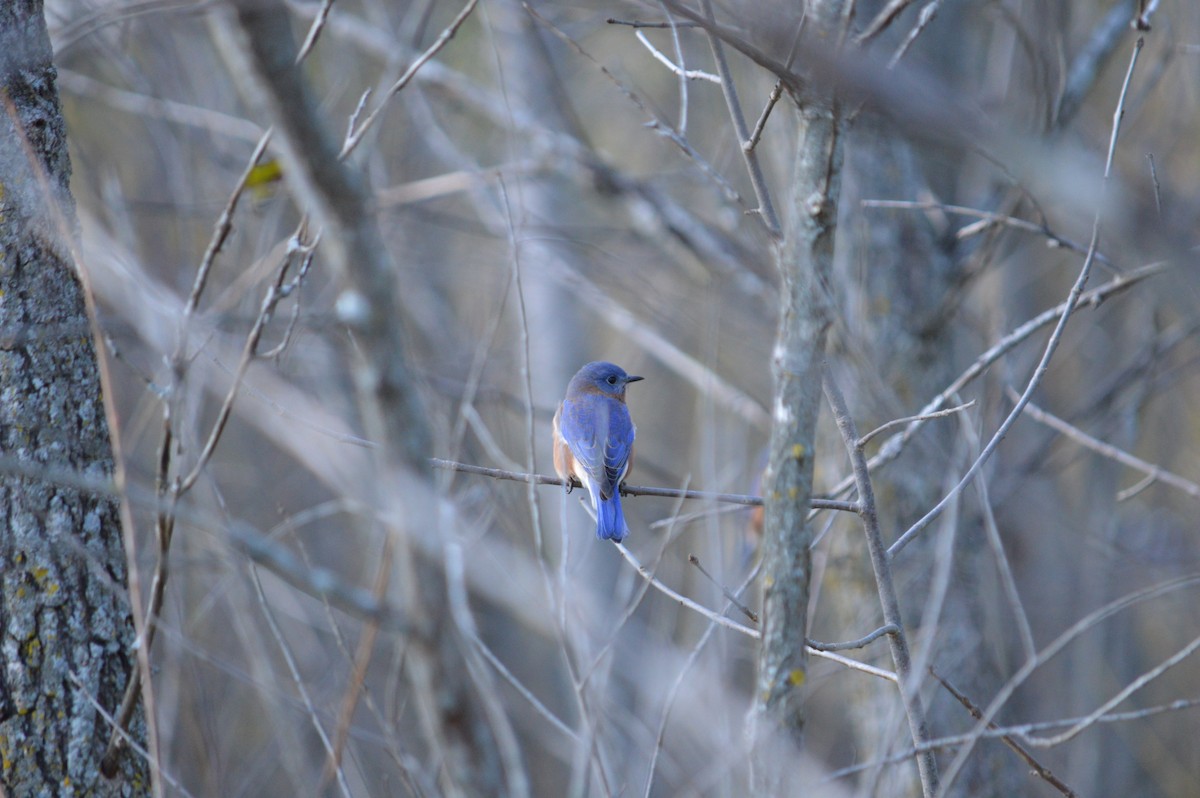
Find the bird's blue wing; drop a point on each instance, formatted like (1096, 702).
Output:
(600, 434)
(617, 448)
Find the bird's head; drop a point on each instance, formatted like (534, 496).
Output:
(607, 378)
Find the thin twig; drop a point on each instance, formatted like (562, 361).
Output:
(129, 740)
(270, 299)
(634, 23)
(1092, 57)
(353, 139)
(881, 21)
(655, 124)
(683, 77)
(1153, 472)
(894, 445)
(358, 672)
(633, 490)
(1073, 301)
(678, 71)
(721, 620)
(1081, 626)
(726, 592)
(314, 30)
(1157, 186)
(996, 732)
(988, 218)
(1129, 689)
(1007, 580)
(756, 134)
(1038, 768)
(861, 642)
(712, 615)
(853, 664)
(923, 19)
(168, 495)
(678, 683)
(864, 440)
(221, 230)
(298, 682)
(538, 707)
(766, 208)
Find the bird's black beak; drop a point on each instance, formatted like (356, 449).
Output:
(633, 379)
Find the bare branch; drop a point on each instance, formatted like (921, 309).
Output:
(987, 219)
(907, 680)
(994, 732)
(756, 134)
(314, 30)
(354, 138)
(726, 592)
(633, 23)
(766, 208)
(1089, 621)
(1055, 337)
(678, 71)
(882, 20)
(1153, 472)
(712, 615)
(1093, 56)
(923, 19)
(864, 440)
(634, 490)
(894, 445)
(302, 688)
(861, 642)
(1129, 689)
(1040, 770)
(1007, 580)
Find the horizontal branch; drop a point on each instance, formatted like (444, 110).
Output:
(862, 642)
(998, 732)
(634, 490)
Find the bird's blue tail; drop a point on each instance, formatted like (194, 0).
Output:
(610, 521)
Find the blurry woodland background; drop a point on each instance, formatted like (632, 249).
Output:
(549, 192)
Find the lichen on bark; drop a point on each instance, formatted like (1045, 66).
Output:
(67, 633)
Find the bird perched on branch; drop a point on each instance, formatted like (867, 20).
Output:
(593, 441)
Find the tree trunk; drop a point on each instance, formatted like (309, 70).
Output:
(804, 258)
(68, 633)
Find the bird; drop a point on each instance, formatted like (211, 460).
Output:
(593, 441)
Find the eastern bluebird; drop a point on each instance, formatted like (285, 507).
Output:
(593, 441)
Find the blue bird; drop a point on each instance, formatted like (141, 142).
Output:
(593, 441)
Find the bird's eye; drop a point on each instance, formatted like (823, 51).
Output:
(612, 379)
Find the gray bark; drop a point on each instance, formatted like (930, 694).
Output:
(67, 630)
